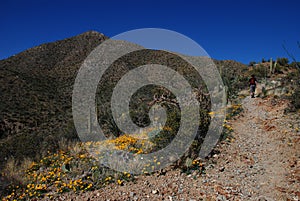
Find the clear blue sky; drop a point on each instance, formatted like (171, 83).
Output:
(234, 29)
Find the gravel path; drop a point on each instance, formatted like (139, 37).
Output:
(257, 163)
(261, 163)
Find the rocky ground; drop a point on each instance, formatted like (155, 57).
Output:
(262, 162)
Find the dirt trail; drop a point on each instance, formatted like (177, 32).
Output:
(261, 163)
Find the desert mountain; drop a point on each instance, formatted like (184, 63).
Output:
(36, 117)
(36, 90)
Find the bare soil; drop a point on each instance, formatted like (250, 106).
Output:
(262, 162)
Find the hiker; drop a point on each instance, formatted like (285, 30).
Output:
(252, 83)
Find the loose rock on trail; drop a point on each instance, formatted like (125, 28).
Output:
(261, 163)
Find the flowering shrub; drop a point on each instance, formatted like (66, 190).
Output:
(132, 144)
(233, 111)
(74, 169)
(63, 172)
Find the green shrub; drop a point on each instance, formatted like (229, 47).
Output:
(295, 64)
(259, 71)
(295, 100)
(283, 61)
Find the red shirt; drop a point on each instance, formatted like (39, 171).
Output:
(252, 81)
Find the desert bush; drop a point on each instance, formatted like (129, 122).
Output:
(296, 99)
(59, 172)
(279, 69)
(283, 61)
(259, 71)
(292, 82)
(294, 64)
(252, 63)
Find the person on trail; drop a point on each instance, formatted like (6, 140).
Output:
(252, 83)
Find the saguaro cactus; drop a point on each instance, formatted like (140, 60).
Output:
(272, 66)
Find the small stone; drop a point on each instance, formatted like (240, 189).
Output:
(154, 191)
(262, 199)
(221, 198)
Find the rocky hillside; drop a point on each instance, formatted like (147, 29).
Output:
(35, 88)
(36, 113)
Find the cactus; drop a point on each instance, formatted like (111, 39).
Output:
(271, 66)
(274, 66)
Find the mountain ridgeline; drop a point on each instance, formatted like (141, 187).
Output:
(36, 92)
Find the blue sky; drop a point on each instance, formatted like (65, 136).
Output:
(234, 29)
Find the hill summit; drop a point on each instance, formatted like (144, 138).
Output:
(35, 88)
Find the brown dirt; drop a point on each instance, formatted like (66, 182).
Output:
(261, 163)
